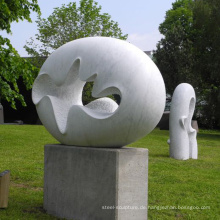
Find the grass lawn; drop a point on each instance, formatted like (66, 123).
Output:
(177, 189)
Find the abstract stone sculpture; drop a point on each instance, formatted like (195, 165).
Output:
(116, 67)
(183, 143)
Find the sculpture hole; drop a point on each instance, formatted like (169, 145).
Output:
(87, 94)
(191, 108)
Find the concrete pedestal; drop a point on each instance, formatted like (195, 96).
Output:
(83, 183)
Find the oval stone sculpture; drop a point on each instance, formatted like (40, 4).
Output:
(183, 143)
(116, 67)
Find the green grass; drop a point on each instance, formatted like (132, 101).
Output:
(177, 186)
(22, 152)
(173, 184)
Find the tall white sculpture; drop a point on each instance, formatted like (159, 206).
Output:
(116, 67)
(183, 143)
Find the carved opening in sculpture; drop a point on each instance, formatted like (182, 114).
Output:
(87, 94)
(191, 131)
(101, 106)
(191, 111)
(67, 93)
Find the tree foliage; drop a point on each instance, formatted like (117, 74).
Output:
(12, 66)
(174, 55)
(68, 23)
(15, 10)
(189, 52)
(207, 57)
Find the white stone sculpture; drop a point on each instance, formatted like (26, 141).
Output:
(183, 143)
(116, 67)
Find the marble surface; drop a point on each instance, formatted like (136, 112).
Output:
(116, 67)
(183, 143)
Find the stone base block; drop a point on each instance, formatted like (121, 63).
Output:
(83, 183)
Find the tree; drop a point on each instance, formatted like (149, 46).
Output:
(12, 66)
(189, 52)
(68, 23)
(174, 52)
(207, 57)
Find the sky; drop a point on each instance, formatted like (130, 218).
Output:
(139, 19)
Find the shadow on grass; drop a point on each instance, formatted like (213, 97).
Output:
(34, 210)
(209, 136)
(160, 155)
